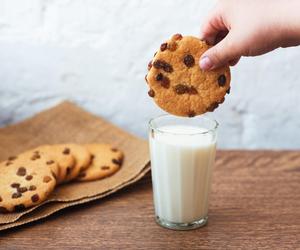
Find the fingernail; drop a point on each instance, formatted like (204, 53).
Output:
(206, 63)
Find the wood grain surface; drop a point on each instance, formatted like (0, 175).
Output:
(255, 204)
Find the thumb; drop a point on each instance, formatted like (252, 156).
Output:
(220, 54)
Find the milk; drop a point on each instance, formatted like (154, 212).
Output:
(182, 158)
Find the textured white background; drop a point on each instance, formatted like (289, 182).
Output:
(95, 52)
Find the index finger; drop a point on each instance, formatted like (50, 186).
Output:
(212, 26)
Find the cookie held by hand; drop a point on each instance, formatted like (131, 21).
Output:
(177, 83)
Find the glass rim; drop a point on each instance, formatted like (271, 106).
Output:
(203, 116)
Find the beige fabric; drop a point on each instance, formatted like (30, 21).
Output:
(67, 123)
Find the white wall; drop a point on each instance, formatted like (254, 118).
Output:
(95, 52)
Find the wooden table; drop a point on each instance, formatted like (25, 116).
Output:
(255, 204)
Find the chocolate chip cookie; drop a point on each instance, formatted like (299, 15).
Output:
(177, 83)
(106, 160)
(82, 159)
(25, 182)
(62, 155)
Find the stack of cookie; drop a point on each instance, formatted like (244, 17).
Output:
(28, 179)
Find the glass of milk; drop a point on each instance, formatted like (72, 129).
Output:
(182, 157)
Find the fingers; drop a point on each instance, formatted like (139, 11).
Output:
(215, 32)
(234, 61)
(212, 26)
(221, 54)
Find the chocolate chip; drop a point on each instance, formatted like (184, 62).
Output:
(49, 162)
(181, 89)
(28, 177)
(21, 171)
(191, 114)
(15, 185)
(161, 64)
(114, 150)
(189, 61)
(158, 64)
(177, 37)
(151, 93)
(16, 195)
(35, 198)
(149, 65)
(168, 68)
(8, 163)
(212, 107)
(172, 46)
(155, 54)
(11, 158)
(222, 80)
(3, 210)
(146, 78)
(47, 179)
(22, 189)
(165, 83)
(228, 91)
(35, 157)
(66, 151)
(32, 188)
(93, 157)
(159, 77)
(105, 167)
(163, 47)
(19, 208)
(1, 199)
(193, 90)
(117, 161)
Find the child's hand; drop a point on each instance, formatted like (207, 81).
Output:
(249, 28)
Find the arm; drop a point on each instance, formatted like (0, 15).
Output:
(249, 28)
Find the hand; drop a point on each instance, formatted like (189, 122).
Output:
(248, 28)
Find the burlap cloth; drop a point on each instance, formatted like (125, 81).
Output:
(69, 123)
